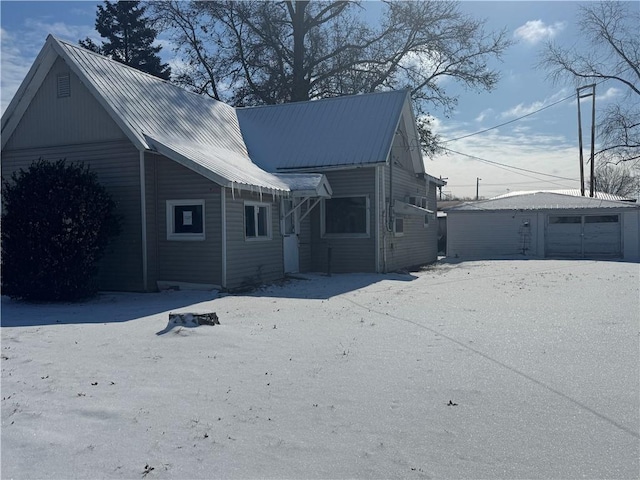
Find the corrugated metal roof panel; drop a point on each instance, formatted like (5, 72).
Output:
(332, 132)
(540, 201)
(573, 191)
(201, 130)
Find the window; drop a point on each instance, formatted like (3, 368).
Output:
(346, 216)
(426, 220)
(398, 226)
(601, 219)
(185, 219)
(567, 219)
(257, 224)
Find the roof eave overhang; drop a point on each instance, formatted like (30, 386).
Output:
(403, 208)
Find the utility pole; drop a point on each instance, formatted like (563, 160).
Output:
(440, 186)
(477, 187)
(593, 133)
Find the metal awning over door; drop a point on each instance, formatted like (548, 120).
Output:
(580, 236)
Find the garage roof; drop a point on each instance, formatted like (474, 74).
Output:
(541, 201)
(571, 191)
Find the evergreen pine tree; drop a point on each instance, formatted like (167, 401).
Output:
(128, 38)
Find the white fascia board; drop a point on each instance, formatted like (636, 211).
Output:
(403, 208)
(27, 90)
(416, 154)
(395, 128)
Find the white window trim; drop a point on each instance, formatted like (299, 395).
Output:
(190, 237)
(269, 235)
(323, 225)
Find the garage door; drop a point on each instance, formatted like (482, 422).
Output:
(583, 236)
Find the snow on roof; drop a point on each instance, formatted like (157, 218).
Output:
(540, 201)
(572, 191)
(332, 132)
(233, 147)
(201, 133)
(306, 184)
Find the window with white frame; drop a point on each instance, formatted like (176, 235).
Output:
(185, 220)
(257, 221)
(346, 216)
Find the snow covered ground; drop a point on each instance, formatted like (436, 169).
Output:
(488, 369)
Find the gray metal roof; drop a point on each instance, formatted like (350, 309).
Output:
(233, 147)
(540, 201)
(199, 132)
(571, 191)
(332, 132)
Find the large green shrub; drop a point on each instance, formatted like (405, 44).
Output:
(56, 223)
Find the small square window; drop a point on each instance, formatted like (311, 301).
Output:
(398, 226)
(185, 220)
(257, 223)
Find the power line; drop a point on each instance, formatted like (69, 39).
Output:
(508, 166)
(516, 119)
(516, 170)
(502, 184)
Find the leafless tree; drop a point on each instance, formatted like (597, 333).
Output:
(267, 52)
(618, 180)
(608, 50)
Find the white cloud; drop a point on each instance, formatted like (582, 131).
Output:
(522, 109)
(535, 31)
(484, 114)
(610, 94)
(64, 31)
(525, 109)
(21, 46)
(519, 146)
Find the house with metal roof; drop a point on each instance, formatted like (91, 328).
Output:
(216, 196)
(543, 224)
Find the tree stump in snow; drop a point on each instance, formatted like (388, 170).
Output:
(194, 319)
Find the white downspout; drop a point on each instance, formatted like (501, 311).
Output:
(378, 214)
(384, 230)
(143, 212)
(223, 215)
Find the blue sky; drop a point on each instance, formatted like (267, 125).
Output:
(544, 143)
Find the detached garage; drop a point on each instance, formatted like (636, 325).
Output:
(544, 225)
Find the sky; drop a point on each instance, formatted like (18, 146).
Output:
(539, 151)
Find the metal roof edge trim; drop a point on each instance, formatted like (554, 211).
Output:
(136, 138)
(27, 90)
(328, 168)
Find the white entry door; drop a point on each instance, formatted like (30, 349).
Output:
(290, 228)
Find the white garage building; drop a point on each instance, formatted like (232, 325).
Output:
(544, 225)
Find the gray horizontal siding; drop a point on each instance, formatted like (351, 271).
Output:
(347, 254)
(51, 121)
(117, 167)
(631, 235)
(419, 244)
(198, 261)
(252, 262)
(491, 234)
